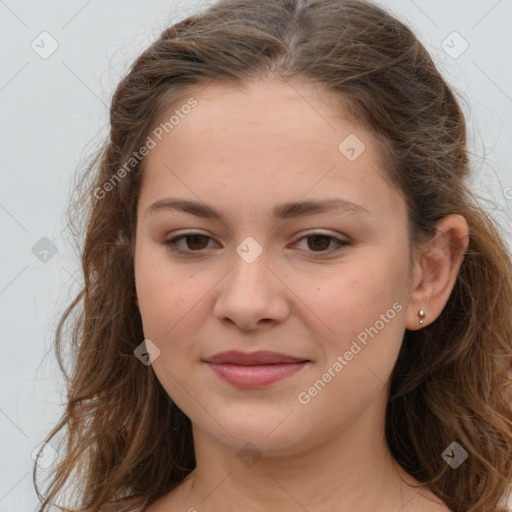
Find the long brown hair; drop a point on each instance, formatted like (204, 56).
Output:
(127, 443)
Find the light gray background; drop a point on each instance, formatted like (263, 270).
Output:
(53, 112)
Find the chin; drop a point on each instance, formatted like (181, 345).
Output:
(264, 430)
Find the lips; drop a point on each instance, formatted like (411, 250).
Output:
(261, 357)
(256, 369)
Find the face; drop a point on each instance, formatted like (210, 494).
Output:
(245, 270)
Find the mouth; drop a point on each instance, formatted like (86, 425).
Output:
(256, 369)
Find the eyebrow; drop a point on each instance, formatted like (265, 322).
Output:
(282, 211)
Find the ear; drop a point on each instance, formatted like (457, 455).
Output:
(435, 270)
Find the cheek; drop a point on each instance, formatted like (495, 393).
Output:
(363, 306)
(352, 298)
(170, 304)
(365, 310)
(167, 297)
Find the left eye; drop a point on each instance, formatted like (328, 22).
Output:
(196, 238)
(319, 242)
(197, 242)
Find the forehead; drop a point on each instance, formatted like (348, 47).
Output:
(267, 142)
(263, 108)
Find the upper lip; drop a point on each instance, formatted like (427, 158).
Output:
(253, 358)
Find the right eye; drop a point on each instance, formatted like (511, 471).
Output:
(194, 243)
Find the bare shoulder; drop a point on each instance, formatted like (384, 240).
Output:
(173, 502)
(161, 505)
(418, 497)
(425, 506)
(170, 502)
(426, 503)
(436, 507)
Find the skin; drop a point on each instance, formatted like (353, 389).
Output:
(242, 151)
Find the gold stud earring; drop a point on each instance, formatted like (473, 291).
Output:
(421, 316)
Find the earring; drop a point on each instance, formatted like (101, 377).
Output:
(421, 315)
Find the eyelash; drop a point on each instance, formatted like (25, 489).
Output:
(342, 244)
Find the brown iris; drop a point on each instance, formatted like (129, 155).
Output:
(318, 241)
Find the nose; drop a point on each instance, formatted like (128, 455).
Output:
(252, 295)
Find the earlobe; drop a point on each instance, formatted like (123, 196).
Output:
(438, 266)
(418, 322)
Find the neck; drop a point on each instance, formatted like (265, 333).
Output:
(352, 471)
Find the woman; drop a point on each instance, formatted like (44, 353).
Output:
(292, 301)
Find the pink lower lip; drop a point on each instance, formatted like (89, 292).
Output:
(255, 376)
